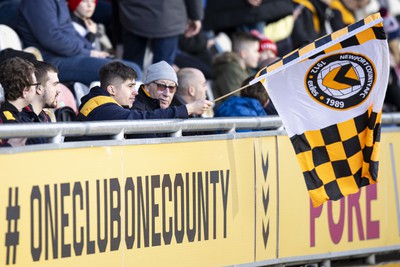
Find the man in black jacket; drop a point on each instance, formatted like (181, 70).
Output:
(158, 88)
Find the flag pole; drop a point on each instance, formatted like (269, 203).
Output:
(231, 93)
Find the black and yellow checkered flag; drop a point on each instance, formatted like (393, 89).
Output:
(329, 96)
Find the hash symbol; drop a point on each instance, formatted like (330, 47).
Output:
(12, 235)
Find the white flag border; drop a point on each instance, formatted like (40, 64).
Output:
(317, 50)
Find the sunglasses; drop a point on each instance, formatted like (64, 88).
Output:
(162, 87)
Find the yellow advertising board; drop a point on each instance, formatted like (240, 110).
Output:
(178, 204)
(200, 203)
(204, 194)
(266, 195)
(364, 220)
(389, 188)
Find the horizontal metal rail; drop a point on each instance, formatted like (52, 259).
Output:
(391, 118)
(117, 129)
(175, 127)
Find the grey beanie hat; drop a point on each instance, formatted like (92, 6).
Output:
(160, 71)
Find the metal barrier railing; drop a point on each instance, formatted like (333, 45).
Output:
(117, 129)
(174, 127)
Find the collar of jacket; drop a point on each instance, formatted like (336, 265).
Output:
(95, 102)
(144, 98)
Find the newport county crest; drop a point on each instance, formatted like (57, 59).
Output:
(341, 81)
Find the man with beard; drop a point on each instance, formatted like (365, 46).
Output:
(46, 96)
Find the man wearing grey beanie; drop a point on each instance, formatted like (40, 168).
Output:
(158, 88)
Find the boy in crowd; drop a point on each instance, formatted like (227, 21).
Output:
(81, 13)
(231, 68)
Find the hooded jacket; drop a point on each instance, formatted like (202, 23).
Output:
(228, 74)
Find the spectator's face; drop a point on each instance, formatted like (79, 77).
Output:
(251, 55)
(51, 90)
(85, 9)
(163, 90)
(125, 93)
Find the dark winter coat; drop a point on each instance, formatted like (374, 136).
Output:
(28, 115)
(145, 103)
(224, 14)
(158, 19)
(228, 74)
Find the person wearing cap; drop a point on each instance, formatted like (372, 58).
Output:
(114, 97)
(267, 48)
(158, 88)
(81, 14)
